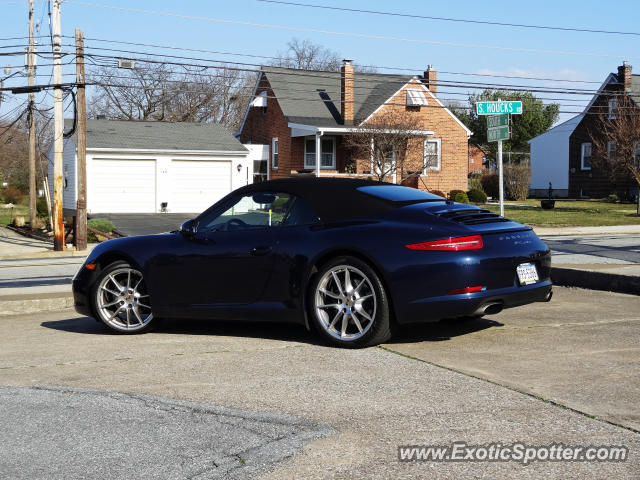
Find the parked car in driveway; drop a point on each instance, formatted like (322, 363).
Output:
(349, 258)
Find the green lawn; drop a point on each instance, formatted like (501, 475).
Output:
(7, 214)
(570, 213)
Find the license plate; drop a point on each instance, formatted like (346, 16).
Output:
(527, 273)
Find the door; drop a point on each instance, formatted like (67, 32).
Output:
(122, 186)
(198, 184)
(229, 260)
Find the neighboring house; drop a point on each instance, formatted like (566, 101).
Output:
(300, 115)
(563, 154)
(136, 166)
(550, 160)
(477, 159)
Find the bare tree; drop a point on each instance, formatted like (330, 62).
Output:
(306, 55)
(615, 143)
(154, 91)
(392, 142)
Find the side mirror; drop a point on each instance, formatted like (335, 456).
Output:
(188, 228)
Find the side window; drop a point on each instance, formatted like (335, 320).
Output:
(300, 213)
(251, 211)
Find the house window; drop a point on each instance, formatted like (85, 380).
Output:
(432, 154)
(416, 97)
(613, 105)
(274, 153)
(327, 153)
(636, 154)
(611, 151)
(585, 156)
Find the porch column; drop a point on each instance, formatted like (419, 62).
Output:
(318, 150)
(371, 156)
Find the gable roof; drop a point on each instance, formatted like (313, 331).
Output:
(564, 129)
(312, 97)
(142, 135)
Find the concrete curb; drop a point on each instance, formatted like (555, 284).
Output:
(610, 282)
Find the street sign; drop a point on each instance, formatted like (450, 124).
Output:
(498, 133)
(494, 121)
(496, 108)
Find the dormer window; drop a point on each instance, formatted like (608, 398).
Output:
(416, 98)
(613, 105)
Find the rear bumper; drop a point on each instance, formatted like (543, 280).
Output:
(435, 308)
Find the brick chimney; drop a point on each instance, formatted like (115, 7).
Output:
(624, 75)
(430, 79)
(346, 92)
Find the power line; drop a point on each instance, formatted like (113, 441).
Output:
(329, 76)
(344, 34)
(449, 19)
(381, 67)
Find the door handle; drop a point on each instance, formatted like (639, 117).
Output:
(261, 250)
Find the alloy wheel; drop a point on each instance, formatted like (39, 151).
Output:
(122, 300)
(345, 303)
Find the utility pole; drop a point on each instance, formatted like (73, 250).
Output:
(58, 129)
(32, 124)
(80, 236)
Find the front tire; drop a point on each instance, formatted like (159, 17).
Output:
(349, 305)
(120, 299)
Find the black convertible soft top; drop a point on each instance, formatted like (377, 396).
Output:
(333, 199)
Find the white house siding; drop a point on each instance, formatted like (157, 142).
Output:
(550, 159)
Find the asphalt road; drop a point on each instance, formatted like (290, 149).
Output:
(148, 223)
(576, 249)
(41, 274)
(565, 371)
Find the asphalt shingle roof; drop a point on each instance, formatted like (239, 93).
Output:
(313, 97)
(140, 135)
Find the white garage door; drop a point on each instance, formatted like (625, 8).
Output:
(122, 186)
(198, 184)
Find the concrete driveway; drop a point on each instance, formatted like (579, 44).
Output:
(579, 351)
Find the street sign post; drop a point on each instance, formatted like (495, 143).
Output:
(497, 134)
(496, 108)
(498, 130)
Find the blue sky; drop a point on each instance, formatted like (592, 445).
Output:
(594, 55)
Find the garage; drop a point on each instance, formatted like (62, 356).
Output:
(197, 184)
(122, 186)
(153, 167)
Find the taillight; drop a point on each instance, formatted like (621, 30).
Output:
(473, 242)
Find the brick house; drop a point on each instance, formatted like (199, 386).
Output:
(477, 159)
(585, 179)
(562, 155)
(302, 115)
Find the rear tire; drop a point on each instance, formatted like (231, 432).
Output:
(348, 304)
(119, 299)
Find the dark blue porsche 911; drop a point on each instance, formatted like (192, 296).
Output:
(351, 258)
